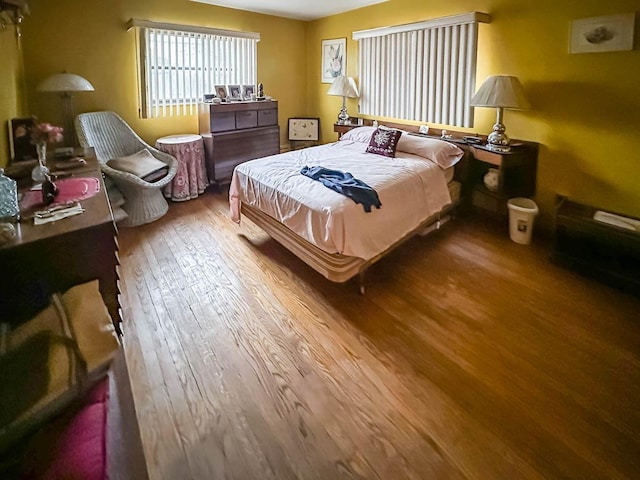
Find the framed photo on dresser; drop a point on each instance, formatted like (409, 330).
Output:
(221, 91)
(235, 92)
(20, 145)
(248, 91)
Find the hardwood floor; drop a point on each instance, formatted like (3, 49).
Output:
(469, 357)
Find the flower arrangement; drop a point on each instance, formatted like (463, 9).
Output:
(46, 133)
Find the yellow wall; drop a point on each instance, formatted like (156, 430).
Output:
(89, 38)
(585, 111)
(586, 107)
(11, 92)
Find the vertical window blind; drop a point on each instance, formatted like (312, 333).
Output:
(422, 71)
(179, 64)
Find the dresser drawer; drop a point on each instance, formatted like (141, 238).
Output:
(267, 117)
(223, 151)
(223, 121)
(247, 119)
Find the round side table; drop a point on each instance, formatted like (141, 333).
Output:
(191, 177)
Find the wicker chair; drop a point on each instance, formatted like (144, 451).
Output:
(111, 137)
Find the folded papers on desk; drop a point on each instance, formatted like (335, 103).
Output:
(58, 214)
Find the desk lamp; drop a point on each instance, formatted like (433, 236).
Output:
(66, 84)
(500, 92)
(343, 87)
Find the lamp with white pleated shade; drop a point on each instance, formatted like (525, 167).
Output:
(343, 87)
(500, 92)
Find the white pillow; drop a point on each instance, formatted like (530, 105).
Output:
(141, 164)
(359, 134)
(443, 153)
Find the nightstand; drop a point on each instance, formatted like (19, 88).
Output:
(517, 171)
(341, 129)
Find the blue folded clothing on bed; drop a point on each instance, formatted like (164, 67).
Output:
(344, 183)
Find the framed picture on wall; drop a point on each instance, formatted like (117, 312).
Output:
(334, 59)
(602, 34)
(304, 129)
(20, 145)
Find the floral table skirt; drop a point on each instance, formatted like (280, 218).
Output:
(191, 177)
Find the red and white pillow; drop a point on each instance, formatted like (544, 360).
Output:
(384, 141)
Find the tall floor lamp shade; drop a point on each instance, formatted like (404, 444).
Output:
(66, 84)
(500, 92)
(343, 87)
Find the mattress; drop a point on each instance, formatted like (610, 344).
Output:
(411, 190)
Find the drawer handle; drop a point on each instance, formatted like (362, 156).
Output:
(246, 114)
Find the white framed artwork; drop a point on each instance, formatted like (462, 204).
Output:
(334, 59)
(602, 34)
(304, 129)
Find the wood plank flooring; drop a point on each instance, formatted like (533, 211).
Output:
(469, 357)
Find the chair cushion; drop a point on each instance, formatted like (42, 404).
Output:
(141, 164)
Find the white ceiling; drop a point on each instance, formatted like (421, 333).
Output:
(298, 9)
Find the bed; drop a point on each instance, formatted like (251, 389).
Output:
(418, 187)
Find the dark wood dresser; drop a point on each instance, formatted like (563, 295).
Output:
(235, 132)
(609, 252)
(53, 257)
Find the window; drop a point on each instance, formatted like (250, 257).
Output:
(178, 65)
(421, 71)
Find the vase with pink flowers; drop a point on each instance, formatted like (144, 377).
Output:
(41, 135)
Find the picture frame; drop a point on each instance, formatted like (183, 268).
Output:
(221, 91)
(247, 91)
(304, 129)
(20, 146)
(609, 33)
(235, 92)
(334, 59)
